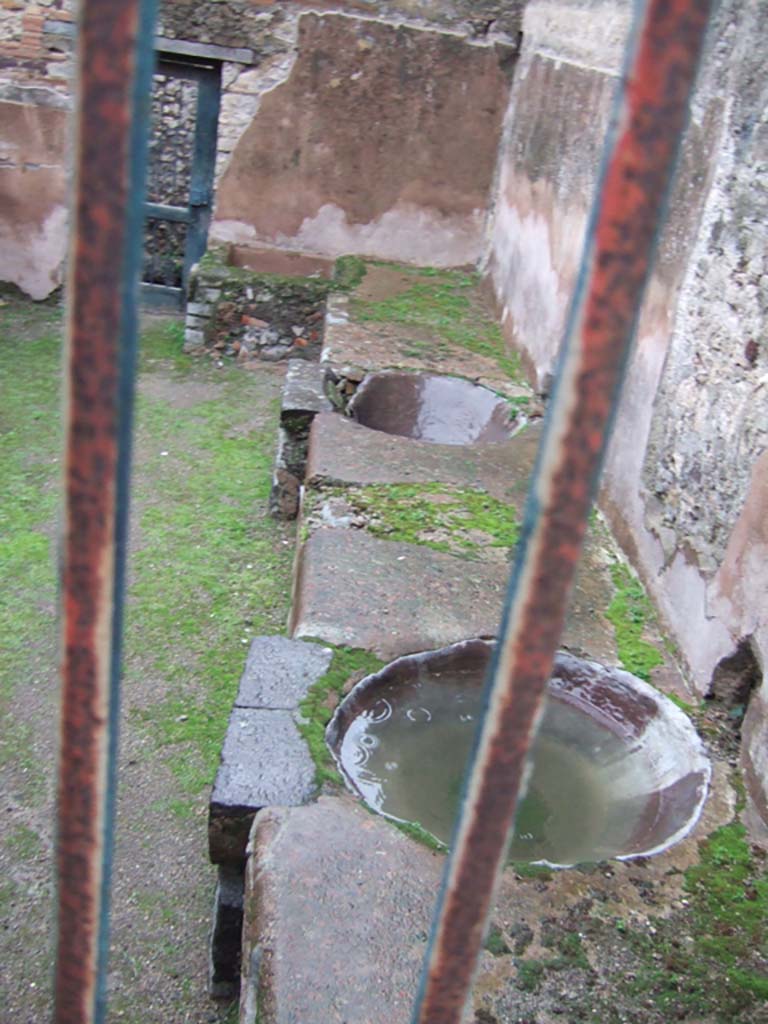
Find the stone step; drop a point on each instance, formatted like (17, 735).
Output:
(264, 761)
(338, 908)
(389, 597)
(344, 452)
(352, 347)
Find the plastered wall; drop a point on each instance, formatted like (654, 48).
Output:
(685, 477)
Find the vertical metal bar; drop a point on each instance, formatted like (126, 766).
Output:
(649, 120)
(114, 65)
(203, 167)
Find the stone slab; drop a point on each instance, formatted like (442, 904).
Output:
(337, 912)
(344, 452)
(392, 598)
(375, 346)
(303, 392)
(279, 261)
(264, 762)
(279, 672)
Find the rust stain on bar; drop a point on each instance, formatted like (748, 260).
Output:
(107, 45)
(617, 259)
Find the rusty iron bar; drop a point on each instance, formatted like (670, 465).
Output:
(114, 71)
(649, 118)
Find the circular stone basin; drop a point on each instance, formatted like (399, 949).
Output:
(426, 407)
(618, 769)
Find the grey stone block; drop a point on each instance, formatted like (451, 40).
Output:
(279, 672)
(303, 393)
(390, 597)
(193, 339)
(291, 452)
(199, 308)
(264, 762)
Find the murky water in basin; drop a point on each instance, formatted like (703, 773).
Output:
(406, 754)
(429, 407)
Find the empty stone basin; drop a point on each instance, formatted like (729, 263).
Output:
(618, 769)
(279, 261)
(427, 407)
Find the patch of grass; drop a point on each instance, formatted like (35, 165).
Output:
(628, 612)
(571, 952)
(530, 974)
(446, 303)
(211, 571)
(16, 749)
(8, 891)
(411, 512)
(30, 468)
(317, 707)
(162, 340)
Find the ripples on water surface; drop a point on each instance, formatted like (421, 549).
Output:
(406, 755)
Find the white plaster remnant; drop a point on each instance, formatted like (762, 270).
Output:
(34, 262)
(591, 36)
(524, 274)
(35, 95)
(406, 232)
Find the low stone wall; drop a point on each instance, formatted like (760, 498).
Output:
(257, 316)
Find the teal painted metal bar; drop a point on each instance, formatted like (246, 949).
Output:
(180, 214)
(203, 165)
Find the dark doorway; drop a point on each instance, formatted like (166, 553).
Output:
(182, 159)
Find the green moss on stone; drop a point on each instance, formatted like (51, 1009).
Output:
(318, 706)
(628, 612)
(214, 270)
(431, 514)
(348, 272)
(415, 831)
(535, 872)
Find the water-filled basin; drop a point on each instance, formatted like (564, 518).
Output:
(428, 407)
(617, 769)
